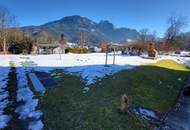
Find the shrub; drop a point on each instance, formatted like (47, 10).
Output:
(78, 50)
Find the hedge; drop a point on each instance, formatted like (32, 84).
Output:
(77, 50)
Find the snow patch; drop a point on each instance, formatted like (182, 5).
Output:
(91, 73)
(4, 119)
(36, 125)
(179, 79)
(85, 89)
(27, 109)
(24, 94)
(4, 102)
(4, 95)
(147, 113)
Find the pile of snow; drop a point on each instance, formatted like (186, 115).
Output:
(4, 102)
(26, 97)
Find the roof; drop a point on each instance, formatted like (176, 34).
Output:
(48, 45)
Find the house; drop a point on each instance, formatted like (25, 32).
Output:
(55, 48)
(47, 48)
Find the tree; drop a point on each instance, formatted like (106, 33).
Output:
(7, 20)
(175, 26)
(19, 41)
(146, 36)
(153, 36)
(45, 37)
(143, 35)
(83, 38)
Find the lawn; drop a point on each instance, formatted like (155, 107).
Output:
(154, 86)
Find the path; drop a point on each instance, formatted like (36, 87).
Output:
(179, 119)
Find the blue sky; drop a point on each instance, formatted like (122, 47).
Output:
(137, 14)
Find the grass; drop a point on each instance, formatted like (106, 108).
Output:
(154, 86)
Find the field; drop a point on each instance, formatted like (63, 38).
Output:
(155, 86)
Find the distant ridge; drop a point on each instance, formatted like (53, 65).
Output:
(71, 26)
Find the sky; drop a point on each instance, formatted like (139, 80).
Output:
(135, 14)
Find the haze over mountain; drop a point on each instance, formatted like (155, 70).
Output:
(71, 26)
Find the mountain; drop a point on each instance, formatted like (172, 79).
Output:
(71, 27)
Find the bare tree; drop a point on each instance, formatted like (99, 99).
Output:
(83, 38)
(143, 35)
(175, 26)
(45, 37)
(146, 36)
(7, 20)
(153, 36)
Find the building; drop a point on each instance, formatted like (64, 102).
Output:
(47, 48)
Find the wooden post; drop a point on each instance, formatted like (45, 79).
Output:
(114, 56)
(4, 45)
(60, 55)
(106, 63)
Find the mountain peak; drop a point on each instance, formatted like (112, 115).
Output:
(76, 19)
(72, 25)
(106, 24)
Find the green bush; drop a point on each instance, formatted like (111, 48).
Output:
(78, 50)
(24, 52)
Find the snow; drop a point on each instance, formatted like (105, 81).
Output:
(184, 53)
(4, 95)
(35, 114)
(36, 125)
(85, 89)
(27, 109)
(24, 94)
(179, 79)
(37, 84)
(89, 66)
(3, 104)
(4, 119)
(71, 44)
(91, 73)
(148, 113)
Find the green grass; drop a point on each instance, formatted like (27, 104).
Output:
(66, 108)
